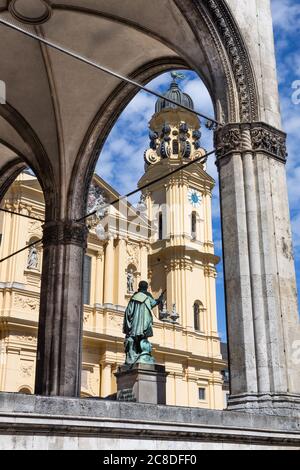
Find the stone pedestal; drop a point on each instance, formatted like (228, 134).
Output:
(143, 383)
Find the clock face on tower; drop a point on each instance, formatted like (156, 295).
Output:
(194, 197)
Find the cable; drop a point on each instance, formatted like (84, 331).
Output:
(160, 178)
(22, 249)
(22, 215)
(212, 123)
(186, 165)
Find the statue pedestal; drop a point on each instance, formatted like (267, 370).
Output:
(143, 383)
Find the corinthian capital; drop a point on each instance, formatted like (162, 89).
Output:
(65, 232)
(251, 137)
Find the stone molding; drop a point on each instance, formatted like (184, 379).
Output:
(65, 232)
(239, 59)
(28, 417)
(251, 137)
(273, 404)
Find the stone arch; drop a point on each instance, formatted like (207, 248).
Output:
(251, 171)
(237, 101)
(103, 123)
(34, 156)
(233, 54)
(9, 173)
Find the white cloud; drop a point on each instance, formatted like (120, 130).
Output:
(286, 14)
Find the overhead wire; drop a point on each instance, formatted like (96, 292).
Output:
(104, 69)
(202, 158)
(211, 122)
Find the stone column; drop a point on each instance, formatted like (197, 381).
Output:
(60, 321)
(109, 272)
(263, 323)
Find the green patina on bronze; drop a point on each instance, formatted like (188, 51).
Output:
(137, 326)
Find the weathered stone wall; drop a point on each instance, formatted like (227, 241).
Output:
(28, 422)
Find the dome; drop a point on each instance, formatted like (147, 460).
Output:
(176, 94)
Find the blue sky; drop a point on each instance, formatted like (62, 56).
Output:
(286, 18)
(121, 162)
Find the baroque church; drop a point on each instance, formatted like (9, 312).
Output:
(165, 239)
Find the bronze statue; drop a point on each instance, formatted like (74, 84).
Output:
(137, 326)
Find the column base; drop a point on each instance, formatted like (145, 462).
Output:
(275, 404)
(142, 383)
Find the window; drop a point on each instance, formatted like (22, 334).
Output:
(197, 316)
(87, 279)
(194, 226)
(175, 147)
(25, 391)
(202, 394)
(160, 226)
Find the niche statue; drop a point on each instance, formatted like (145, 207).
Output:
(137, 326)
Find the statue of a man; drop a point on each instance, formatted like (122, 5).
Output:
(33, 260)
(130, 282)
(137, 326)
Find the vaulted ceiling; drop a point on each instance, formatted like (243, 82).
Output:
(59, 98)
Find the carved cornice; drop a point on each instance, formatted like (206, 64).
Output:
(65, 232)
(255, 137)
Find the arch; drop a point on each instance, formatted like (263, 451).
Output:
(228, 76)
(226, 34)
(9, 173)
(103, 123)
(39, 162)
(237, 101)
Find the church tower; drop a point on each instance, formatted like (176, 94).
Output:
(182, 258)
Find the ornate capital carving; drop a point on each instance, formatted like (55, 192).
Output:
(254, 137)
(65, 232)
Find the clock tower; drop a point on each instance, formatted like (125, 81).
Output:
(182, 258)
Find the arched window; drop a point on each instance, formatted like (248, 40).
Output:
(198, 320)
(25, 391)
(194, 226)
(197, 316)
(160, 226)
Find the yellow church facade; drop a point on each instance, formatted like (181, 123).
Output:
(166, 240)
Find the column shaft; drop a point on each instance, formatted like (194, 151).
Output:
(60, 322)
(262, 311)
